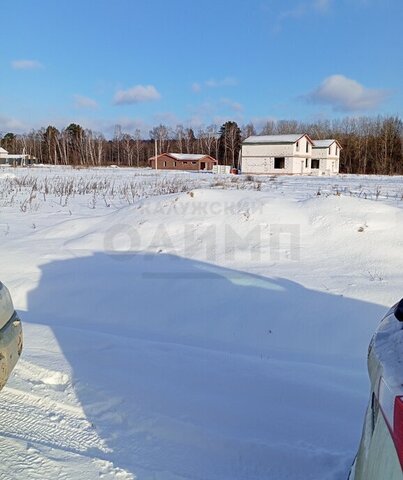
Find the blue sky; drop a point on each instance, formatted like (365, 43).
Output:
(139, 63)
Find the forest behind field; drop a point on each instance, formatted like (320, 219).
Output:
(370, 145)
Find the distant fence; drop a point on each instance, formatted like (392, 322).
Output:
(221, 169)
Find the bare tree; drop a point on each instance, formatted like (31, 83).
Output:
(206, 138)
(161, 134)
(179, 137)
(230, 139)
(247, 131)
(138, 146)
(128, 149)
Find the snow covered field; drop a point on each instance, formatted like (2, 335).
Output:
(190, 326)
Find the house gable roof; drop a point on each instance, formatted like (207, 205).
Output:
(2, 150)
(275, 139)
(187, 156)
(184, 157)
(325, 143)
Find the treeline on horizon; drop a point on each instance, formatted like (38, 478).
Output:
(371, 145)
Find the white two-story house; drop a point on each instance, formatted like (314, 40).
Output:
(291, 154)
(280, 154)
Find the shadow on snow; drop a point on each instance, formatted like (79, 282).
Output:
(189, 370)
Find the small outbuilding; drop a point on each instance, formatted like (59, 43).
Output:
(19, 159)
(183, 161)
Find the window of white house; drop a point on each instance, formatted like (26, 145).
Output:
(279, 162)
(297, 146)
(337, 150)
(307, 163)
(307, 146)
(330, 148)
(315, 163)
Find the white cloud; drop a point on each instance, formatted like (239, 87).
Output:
(295, 12)
(107, 127)
(322, 5)
(215, 83)
(102, 125)
(209, 109)
(26, 64)
(302, 9)
(8, 124)
(346, 94)
(84, 102)
(220, 119)
(235, 106)
(136, 94)
(224, 82)
(217, 111)
(166, 118)
(195, 122)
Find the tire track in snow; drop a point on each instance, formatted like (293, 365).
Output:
(35, 419)
(42, 437)
(22, 460)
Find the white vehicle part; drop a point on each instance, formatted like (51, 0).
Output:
(6, 306)
(10, 348)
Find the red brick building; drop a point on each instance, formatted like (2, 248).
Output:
(183, 161)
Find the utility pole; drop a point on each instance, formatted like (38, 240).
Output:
(156, 154)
